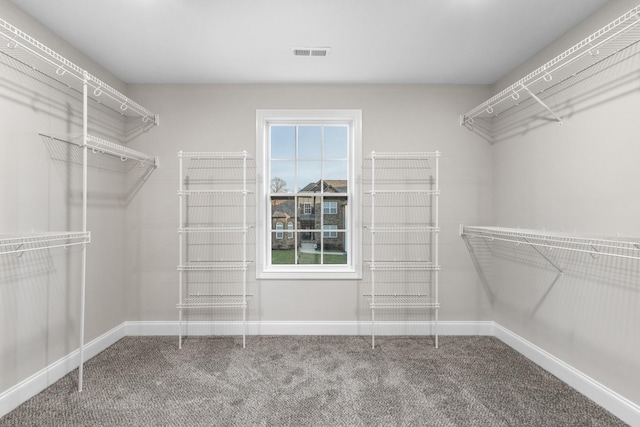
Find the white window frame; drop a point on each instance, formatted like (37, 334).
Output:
(353, 226)
(279, 230)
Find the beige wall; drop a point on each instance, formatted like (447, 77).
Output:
(222, 118)
(580, 176)
(40, 190)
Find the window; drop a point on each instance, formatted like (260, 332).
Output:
(330, 234)
(330, 208)
(309, 161)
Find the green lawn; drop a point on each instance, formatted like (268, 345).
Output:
(287, 257)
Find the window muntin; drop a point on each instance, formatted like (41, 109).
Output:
(308, 168)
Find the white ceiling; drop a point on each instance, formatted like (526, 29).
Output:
(250, 41)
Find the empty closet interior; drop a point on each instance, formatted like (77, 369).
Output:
(506, 209)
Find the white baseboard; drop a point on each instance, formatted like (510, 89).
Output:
(626, 410)
(26, 389)
(618, 405)
(309, 328)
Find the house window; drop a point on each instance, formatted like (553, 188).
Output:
(330, 234)
(279, 233)
(309, 161)
(330, 208)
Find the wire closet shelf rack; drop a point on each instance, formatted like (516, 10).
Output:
(206, 180)
(596, 246)
(561, 71)
(402, 197)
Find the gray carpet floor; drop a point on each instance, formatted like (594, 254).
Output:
(310, 381)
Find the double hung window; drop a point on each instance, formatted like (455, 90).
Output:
(308, 162)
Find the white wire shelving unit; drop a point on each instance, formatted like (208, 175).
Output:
(403, 233)
(39, 62)
(595, 246)
(569, 67)
(213, 231)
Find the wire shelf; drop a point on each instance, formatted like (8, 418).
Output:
(214, 265)
(19, 243)
(200, 155)
(215, 229)
(35, 54)
(400, 301)
(98, 145)
(208, 301)
(564, 68)
(404, 155)
(628, 248)
(402, 228)
(403, 265)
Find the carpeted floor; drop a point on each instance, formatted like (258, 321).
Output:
(310, 381)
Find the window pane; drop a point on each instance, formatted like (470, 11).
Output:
(283, 176)
(309, 174)
(336, 171)
(335, 142)
(283, 142)
(308, 218)
(282, 210)
(310, 142)
(334, 249)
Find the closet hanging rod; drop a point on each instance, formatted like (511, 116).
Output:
(63, 66)
(596, 246)
(589, 46)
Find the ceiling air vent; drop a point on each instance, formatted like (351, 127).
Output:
(311, 51)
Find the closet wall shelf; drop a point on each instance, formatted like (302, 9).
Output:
(403, 265)
(20, 243)
(400, 301)
(561, 70)
(409, 155)
(102, 146)
(402, 228)
(214, 265)
(30, 52)
(214, 155)
(404, 192)
(595, 246)
(211, 192)
(221, 301)
(215, 229)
